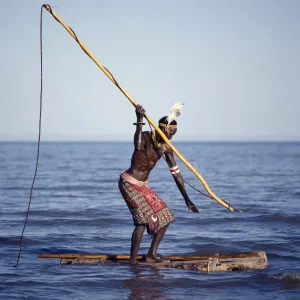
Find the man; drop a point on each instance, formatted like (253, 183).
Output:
(148, 210)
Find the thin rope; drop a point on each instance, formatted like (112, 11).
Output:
(39, 137)
(204, 194)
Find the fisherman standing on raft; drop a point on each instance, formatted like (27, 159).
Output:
(147, 209)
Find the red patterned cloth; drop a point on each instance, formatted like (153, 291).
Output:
(145, 205)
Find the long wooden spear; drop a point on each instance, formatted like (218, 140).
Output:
(166, 140)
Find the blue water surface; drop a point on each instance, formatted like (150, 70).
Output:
(76, 207)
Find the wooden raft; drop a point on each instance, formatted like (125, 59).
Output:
(233, 262)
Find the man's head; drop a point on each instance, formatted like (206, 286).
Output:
(168, 129)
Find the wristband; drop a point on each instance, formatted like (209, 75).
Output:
(174, 170)
(137, 123)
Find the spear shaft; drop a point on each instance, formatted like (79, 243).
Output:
(111, 77)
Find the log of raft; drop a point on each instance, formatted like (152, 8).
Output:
(232, 262)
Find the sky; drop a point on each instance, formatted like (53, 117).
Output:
(235, 64)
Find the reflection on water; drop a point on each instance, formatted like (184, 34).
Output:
(145, 284)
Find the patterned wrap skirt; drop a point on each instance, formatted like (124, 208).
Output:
(145, 206)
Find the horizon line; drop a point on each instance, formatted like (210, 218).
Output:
(130, 141)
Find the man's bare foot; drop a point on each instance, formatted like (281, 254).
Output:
(132, 262)
(154, 259)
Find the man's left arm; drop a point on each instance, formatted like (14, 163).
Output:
(174, 169)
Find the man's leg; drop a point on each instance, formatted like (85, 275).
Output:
(151, 256)
(135, 243)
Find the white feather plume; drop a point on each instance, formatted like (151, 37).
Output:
(175, 112)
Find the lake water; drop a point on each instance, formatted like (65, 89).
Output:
(76, 207)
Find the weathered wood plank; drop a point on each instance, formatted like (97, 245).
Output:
(140, 257)
(233, 262)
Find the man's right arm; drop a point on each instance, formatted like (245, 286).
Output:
(138, 136)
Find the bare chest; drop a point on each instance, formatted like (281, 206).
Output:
(153, 155)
